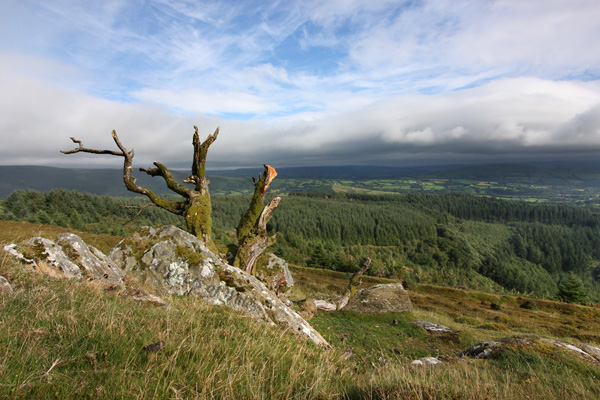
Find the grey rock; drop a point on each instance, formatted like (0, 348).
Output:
(178, 262)
(5, 287)
(380, 298)
(591, 350)
(492, 348)
(433, 328)
(68, 257)
(92, 262)
(427, 361)
(171, 260)
(12, 249)
(588, 352)
(324, 305)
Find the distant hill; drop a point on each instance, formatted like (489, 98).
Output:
(319, 179)
(96, 181)
(107, 182)
(352, 172)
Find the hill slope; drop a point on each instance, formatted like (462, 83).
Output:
(66, 339)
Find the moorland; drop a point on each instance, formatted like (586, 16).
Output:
(487, 267)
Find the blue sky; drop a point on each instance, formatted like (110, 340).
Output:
(301, 82)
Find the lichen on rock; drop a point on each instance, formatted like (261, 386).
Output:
(274, 272)
(178, 262)
(379, 299)
(170, 260)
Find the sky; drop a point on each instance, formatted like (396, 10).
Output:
(298, 83)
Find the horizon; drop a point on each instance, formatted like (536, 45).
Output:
(292, 84)
(572, 164)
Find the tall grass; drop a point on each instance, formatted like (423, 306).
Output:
(69, 339)
(75, 340)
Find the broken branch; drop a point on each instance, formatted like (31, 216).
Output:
(353, 284)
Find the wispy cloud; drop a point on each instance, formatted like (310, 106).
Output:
(301, 82)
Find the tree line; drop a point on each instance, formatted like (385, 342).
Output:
(446, 239)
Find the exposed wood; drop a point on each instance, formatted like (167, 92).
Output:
(282, 281)
(355, 282)
(195, 206)
(252, 229)
(255, 209)
(324, 305)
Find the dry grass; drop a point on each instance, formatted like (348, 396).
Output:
(65, 339)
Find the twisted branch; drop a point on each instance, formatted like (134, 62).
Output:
(130, 181)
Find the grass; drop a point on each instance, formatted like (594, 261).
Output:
(67, 339)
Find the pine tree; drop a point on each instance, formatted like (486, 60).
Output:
(571, 290)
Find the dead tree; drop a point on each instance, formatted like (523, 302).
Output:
(252, 230)
(195, 206)
(355, 282)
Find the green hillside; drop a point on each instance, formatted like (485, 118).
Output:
(451, 240)
(74, 339)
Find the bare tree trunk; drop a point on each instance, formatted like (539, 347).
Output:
(195, 206)
(252, 229)
(354, 283)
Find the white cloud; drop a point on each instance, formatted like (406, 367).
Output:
(500, 76)
(208, 102)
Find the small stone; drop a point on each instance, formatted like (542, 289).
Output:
(433, 328)
(154, 347)
(5, 287)
(427, 361)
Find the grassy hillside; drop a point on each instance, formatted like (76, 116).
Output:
(64, 339)
(452, 240)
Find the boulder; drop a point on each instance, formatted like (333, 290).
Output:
(380, 298)
(177, 262)
(69, 257)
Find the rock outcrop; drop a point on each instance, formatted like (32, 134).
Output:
(433, 328)
(380, 298)
(69, 257)
(179, 263)
(169, 259)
